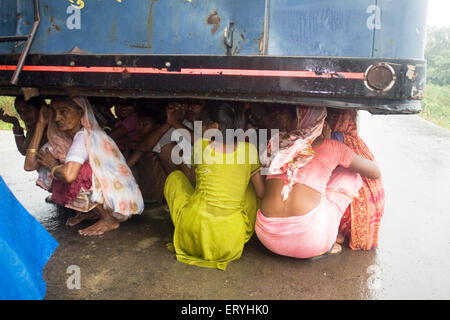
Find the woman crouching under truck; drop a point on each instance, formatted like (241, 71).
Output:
(91, 176)
(311, 180)
(214, 220)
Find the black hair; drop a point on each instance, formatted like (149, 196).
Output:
(224, 114)
(153, 108)
(286, 108)
(35, 101)
(147, 113)
(125, 102)
(193, 101)
(292, 110)
(100, 101)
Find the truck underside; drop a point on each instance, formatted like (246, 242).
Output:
(381, 86)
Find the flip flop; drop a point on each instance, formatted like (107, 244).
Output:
(48, 199)
(326, 254)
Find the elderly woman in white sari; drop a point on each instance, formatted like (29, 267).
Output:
(85, 169)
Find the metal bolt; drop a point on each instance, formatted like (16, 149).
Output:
(119, 63)
(72, 63)
(168, 64)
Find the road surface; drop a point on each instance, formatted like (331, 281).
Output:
(132, 262)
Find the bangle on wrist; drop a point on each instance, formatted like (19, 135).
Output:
(31, 150)
(54, 169)
(19, 134)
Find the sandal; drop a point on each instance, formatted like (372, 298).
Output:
(48, 199)
(334, 250)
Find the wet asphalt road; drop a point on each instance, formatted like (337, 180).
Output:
(132, 262)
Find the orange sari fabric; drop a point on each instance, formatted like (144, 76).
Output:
(361, 221)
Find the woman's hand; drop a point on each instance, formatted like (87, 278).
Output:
(7, 118)
(326, 132)
(44, 115)
(365, 167)
(46, 159)
(258, 183)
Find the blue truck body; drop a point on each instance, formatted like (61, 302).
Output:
(338, 38)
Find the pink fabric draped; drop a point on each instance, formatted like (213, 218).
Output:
(314, 233)
(289, 151)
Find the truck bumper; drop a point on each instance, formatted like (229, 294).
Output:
(382, 86)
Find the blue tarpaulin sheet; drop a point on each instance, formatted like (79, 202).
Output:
(25, 247)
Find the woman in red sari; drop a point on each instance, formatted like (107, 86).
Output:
(361, 221)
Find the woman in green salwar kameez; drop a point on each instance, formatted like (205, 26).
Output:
(215, 220)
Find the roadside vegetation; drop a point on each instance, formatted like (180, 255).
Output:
(7, 104)
(436, 103)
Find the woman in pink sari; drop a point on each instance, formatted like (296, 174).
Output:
(87, 170)
(311, 181)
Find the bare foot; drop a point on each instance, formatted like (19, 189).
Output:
(105, 224)
(340, 238)
(81, 217)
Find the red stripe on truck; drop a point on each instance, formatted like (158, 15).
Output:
(192, 71)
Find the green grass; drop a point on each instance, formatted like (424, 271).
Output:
(436, 105)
